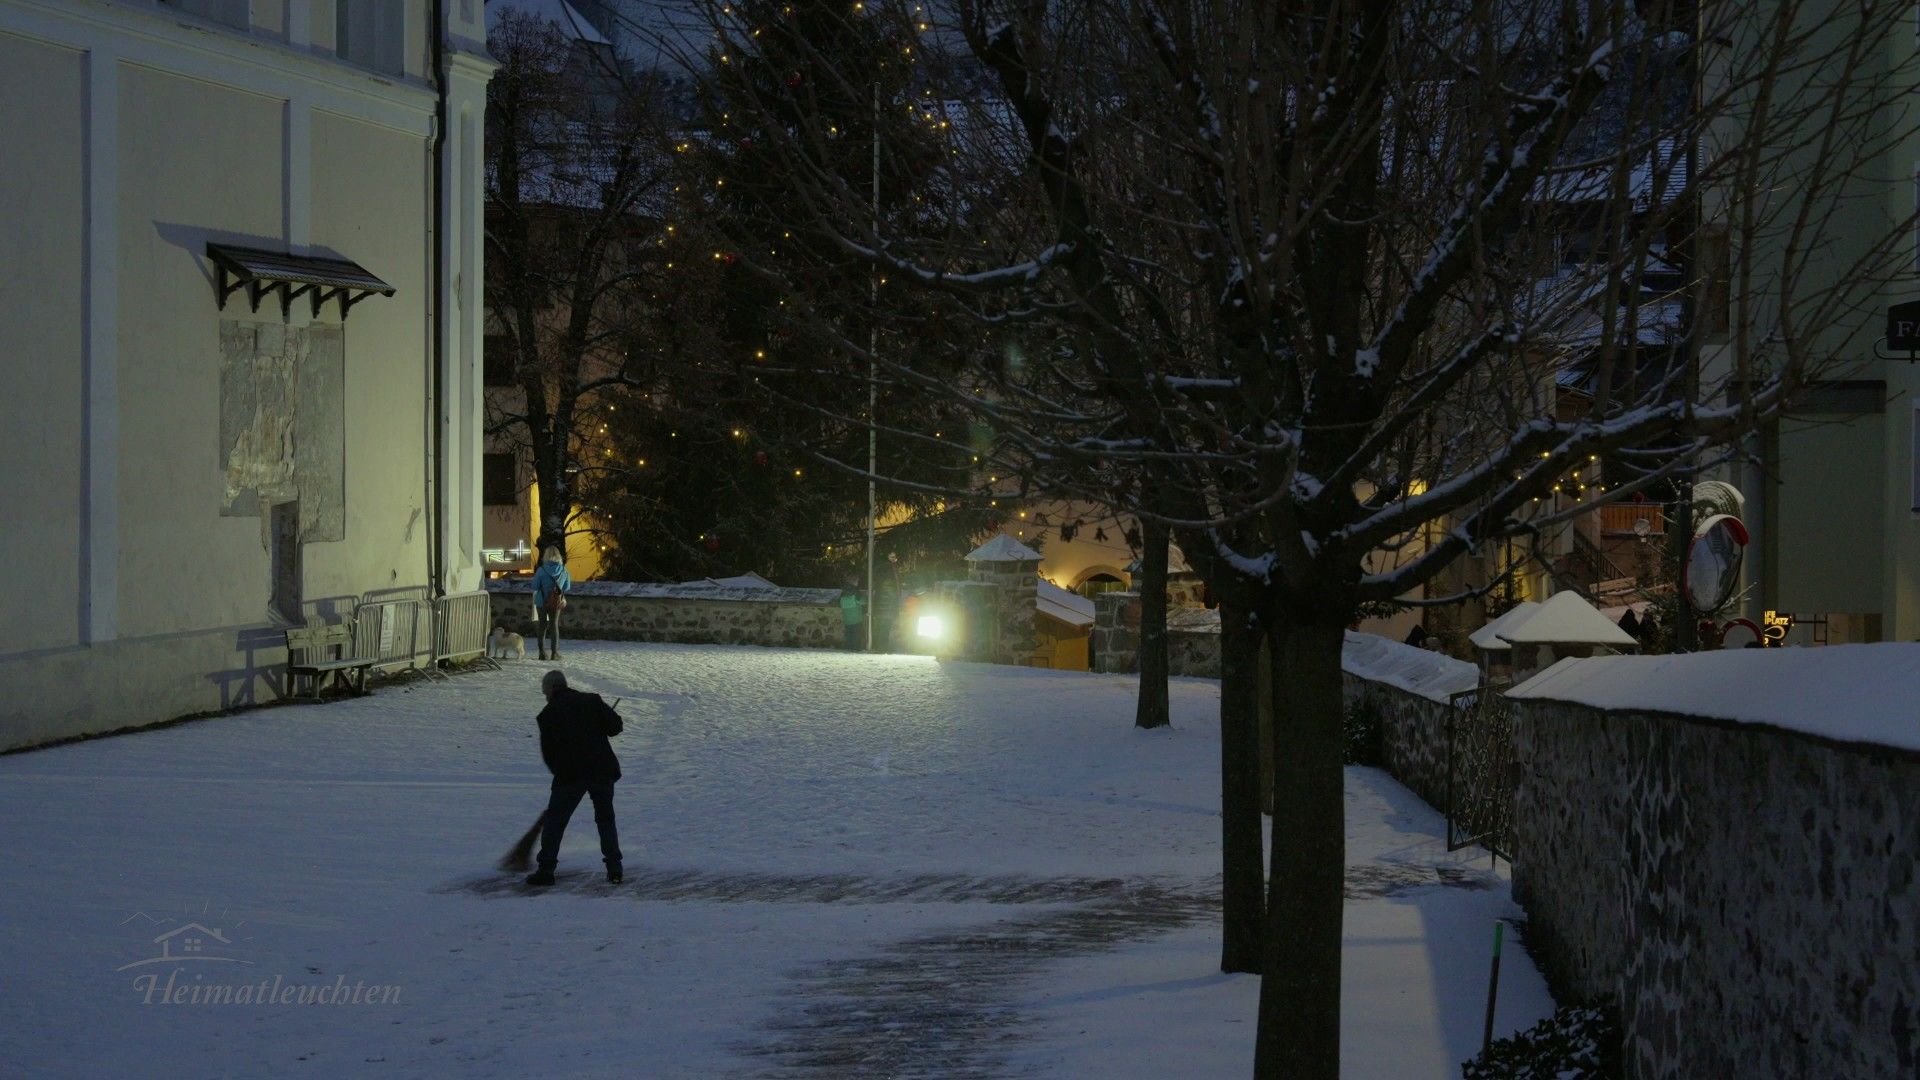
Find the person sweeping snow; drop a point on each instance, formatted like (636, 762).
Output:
(574, 728)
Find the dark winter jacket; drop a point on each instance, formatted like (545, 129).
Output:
(573, 738)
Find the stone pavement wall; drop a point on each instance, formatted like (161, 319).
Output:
(620, 611)
(1747, 895)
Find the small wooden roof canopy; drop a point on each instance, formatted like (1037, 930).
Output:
(292, 276)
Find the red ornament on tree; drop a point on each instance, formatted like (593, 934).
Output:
(729, 258)
(713, 543)
(759, 457)
(794, 80)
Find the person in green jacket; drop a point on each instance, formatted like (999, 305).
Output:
(853, 616)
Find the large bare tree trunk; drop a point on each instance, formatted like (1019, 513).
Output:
(1243, 876)
(1152, 710)
(1299, 1036)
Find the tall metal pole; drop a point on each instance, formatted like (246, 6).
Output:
(873, 374)
(1686, 630)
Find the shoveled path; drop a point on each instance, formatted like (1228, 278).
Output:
(938, 1005)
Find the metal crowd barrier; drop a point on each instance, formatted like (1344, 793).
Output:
(395, 634)
(461, 623)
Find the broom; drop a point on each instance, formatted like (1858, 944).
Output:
(519, 858)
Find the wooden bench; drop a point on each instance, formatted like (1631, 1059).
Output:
(319, 650)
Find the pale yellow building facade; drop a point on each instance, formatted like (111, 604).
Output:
(194, 471)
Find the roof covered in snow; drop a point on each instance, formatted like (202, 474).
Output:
(1565, 619)
(1431, 675)
(1848, 693)
(556, 13)
(1063, 604)
(1488, 636)
(1003, 548)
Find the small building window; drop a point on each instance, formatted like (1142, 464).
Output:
(497, 360)
(372, 34)
(499, 481)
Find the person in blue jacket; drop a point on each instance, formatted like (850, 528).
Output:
(551, 584)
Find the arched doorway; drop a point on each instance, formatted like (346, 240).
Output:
(1099, 579)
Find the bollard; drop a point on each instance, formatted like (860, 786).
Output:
(1493, 989)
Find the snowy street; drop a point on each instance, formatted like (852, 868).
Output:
(838, 865)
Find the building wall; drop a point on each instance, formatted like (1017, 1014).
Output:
(138, 134)
(1839, 536)
(42, 334)
(1828, 529)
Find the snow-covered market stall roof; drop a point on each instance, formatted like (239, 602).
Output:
(1488, 636)
(1847, 693)
(1565, 619)
(1065, 605)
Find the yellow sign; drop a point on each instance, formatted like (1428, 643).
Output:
(1776, 625)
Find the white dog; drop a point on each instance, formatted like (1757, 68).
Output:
(505, 643)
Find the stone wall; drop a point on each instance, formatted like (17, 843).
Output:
(1011, 600)
(1747, 895)
(1193, 637)
(782, 618)
(1411, 688)
(1193, 642)
(1413, 734)
(1116, 632)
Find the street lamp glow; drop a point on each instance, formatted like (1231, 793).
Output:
(932, 627)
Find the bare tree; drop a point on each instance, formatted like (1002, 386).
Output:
(579, 177)
(1289, 255)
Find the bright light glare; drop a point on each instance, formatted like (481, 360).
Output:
(931, 626)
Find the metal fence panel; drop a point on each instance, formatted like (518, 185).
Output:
(1481, 771)
(461, 623)
(395, 633)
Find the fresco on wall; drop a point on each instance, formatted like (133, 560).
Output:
(283, 423)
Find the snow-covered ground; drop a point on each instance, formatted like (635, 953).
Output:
(839, 865)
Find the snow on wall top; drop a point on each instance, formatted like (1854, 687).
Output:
(1849, 693)
(748, 580)
(1003, 548)
(688, 590)
(1565, 619)
(1069, 607)
(1431, 675)
(1488, 637)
